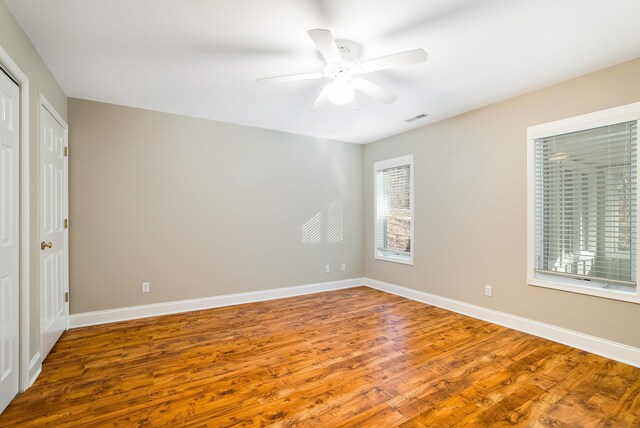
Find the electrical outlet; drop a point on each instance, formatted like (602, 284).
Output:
(327, 268)
(343, 267)
(145, 287)
(488, 290)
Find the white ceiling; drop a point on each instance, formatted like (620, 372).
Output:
(201, 57)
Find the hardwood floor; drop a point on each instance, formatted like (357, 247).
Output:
(356, 357)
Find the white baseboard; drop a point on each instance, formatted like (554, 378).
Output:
(606, 348)
(35, 367)
(144, 311)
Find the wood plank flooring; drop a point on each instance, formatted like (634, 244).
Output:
(356, 357)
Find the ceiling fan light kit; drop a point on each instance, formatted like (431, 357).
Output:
(340, 92)
(344, 71)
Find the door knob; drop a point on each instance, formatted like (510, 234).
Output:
(44, 245)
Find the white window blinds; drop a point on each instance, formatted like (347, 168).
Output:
(586, 205)
(394, 212)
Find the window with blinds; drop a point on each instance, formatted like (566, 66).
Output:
(586, 188)
(394, 209)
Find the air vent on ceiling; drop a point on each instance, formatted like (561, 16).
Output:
(420, 116)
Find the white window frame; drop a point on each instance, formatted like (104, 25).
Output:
(611, 116)
(385, 164)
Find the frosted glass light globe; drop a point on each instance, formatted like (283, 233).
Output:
(340, 92)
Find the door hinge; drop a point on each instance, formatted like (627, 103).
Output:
(66, 223)
(66, 296)
(66, 151)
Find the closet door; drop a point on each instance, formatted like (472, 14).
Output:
(9, 238)
(54, 307)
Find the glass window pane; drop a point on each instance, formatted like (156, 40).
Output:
(586, 193)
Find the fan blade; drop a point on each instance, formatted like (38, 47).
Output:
(414, 56)
(326, 45)
(374, 91)
(322, 100)
(289, 78)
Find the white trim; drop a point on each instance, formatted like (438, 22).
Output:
(46, 104)
(625, 113)
(35, 368)
(596, 119)
(606, 348)
(576, 286)
(144, 311)
(391, 163)
(12, 68)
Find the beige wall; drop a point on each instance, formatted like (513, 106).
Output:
(16, 43)
(201, 208)
(470, 206)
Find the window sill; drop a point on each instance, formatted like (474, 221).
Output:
(624, 296)
(401, 260)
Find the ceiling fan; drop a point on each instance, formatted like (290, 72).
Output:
(343, 69)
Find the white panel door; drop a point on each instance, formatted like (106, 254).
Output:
(9, 238)
(53, 209)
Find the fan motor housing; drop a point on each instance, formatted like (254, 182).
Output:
(350, 52)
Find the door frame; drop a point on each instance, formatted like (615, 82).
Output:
(28, 369)
(44, 103)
